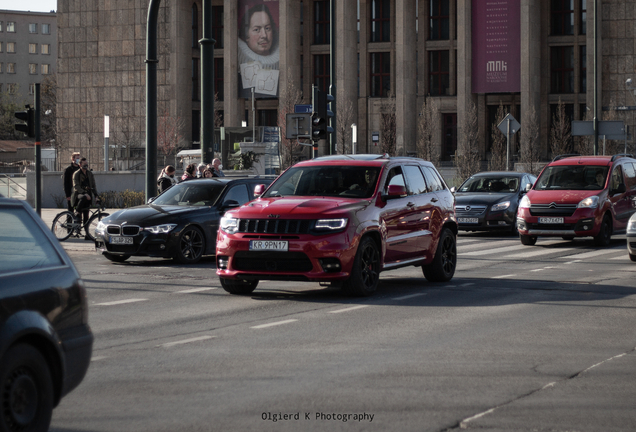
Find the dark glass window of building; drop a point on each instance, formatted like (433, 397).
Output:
(439, 15)
(583, 27)
(380, 74)
(380, 20)
(195, 26)
(268, 117)
(583, 69)
(493, 120)
(439, 77)
(569, 116)
(196, 125)
(562, 17)
(321, 72)
(562, 69)
(196, 89)
(217, 26)
(218, 77)
(450, 136)
(321, 22)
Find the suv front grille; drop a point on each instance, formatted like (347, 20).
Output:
(552, 209)
(272, 261)
(275, 226)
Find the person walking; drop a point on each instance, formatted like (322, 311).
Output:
(166, 178)
(84, 193)
(190, 172)
(216, 165)
(68, 179)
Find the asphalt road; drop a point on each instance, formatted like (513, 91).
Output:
(522, 339)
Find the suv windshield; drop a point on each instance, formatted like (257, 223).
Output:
(490, 184)
(573, 177)
(190, 194)
(348, 181)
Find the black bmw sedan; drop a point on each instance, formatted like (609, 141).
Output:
(489, 200)
(181, 223)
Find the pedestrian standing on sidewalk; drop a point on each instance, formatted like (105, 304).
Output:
(68, 179)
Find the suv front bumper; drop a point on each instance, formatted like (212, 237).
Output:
(583, 223)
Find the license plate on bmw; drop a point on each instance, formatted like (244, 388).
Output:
(121, 240)
(551, 220)
(269, 245)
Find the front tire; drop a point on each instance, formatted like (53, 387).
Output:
(115, 258)
(604, 236)
(528, 240)
(632, 257)
(191, 246)
(62, 226)
(365, 273)
(238, 287)
(26, 390)
(442, 268)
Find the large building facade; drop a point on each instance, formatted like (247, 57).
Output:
(390, 56)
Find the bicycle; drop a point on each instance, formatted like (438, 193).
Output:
(66, 223)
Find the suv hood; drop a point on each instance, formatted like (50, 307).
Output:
(560, 196)
(297, 207)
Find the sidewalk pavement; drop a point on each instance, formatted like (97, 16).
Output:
(70, 244)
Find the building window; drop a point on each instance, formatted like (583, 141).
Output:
(321, 72)
(583, 69)
(268, 117)
(439, 19)
(44, 69)
(0, 67)
(0, 26)
(46, 28)
(10, 67)
(46, 48)
(562, 17)
(10, 47)
(12, 88)
(562, 69)
(380, 20)
(218, 77)
(32, 88)
(380, 74)
(33, 28)
(11, 27)
(33, 68)
(449, 145)
(583, 28)
(217, 26)
(439, 77)
(0, 46)
(33, 48)
(196, 90)
(196, 126)
(321, 19)
(195, 26)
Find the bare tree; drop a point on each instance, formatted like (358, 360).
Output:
(388, 126)
(48, 110)
(611, 147)
(344, 118)
(560, 133)
(290, 96)
(498, 151)
(530, 151)
(427, 130)
(169, 136)
(467, 160)
(9, 103)
(584, 145)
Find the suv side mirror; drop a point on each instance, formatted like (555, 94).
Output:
(151, 199)
(453, 190)
(395, 191)
(619, 190)
(258, 190)
(229, 204)
(528, 187)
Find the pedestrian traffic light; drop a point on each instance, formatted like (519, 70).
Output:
(27, 121)
(321, 114)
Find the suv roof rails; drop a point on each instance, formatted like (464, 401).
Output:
(563, 156)
(620, 155)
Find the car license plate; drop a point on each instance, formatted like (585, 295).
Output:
(269, 245)
(551, 220)
(467, 220)
(121, 240)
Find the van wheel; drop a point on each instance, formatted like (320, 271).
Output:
(528, 240)
(442, 268)
(568, 237)
(605, 234)
(365, 272)
(238, 287)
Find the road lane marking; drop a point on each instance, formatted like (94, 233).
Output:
(503, 276)
(544, 268)
(194, 290)
(541, 251)
(409, 296)
(572, 262)
(349, 309)
(118, 302)
(185, 341)
(274, 324)
(592, 253)
(493, 251)
(98, 358)
(468, 284)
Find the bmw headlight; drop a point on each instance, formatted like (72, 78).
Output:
(100, 228)
(161, 229)
(525, 202)
(229, 225)
(500, 206)
(589, 202)
(330, 224)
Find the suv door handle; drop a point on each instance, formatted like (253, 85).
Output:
(410, 204)
(434, 199)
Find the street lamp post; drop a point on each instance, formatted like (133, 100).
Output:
(631, 90)
(354, 138)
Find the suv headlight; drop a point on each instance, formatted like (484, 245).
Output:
(100, 228)
(161, 229)
(229, 225)
(589, 202)
(330, 224)
(500, 206)
(631, 225)
(525, 202)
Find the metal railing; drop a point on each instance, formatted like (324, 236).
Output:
(10, 188)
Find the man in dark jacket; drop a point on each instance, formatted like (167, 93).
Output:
(84, 192)
(68, 179)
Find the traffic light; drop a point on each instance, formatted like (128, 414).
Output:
(27, 121)
(321, 114)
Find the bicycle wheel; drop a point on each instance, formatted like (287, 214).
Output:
(91, 225)
(63, 225)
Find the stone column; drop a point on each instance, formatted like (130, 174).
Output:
(346, 69)
(465, 95)
(406, 76)
(289, 43)
(530, 62)
(233, 106)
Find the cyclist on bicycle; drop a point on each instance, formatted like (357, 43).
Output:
(84, 193)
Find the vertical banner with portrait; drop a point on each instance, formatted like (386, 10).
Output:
(258, 54)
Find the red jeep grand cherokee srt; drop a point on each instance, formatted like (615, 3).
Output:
(580, 196)
(341, 219)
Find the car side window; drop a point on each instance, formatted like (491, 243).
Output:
(24, 245)
(394, 177)
(432, 180)
(237, 193)
(617, 177)
(417, 185)
(630, 176)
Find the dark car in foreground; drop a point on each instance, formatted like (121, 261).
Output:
(45, 340)
(488, 201)
(181, 223)
(341, 220)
